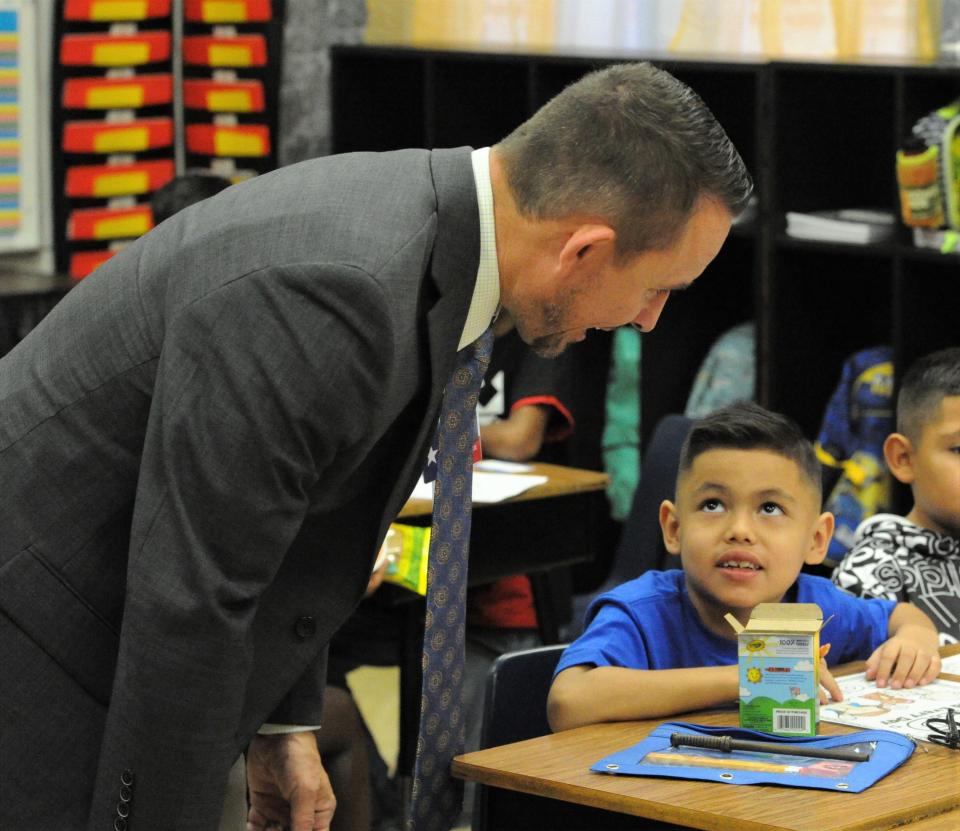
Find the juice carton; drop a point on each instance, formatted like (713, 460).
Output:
(779, 656)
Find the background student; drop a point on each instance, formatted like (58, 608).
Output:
(916, 558)
(745, 521)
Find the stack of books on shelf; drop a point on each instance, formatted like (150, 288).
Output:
(850, 225)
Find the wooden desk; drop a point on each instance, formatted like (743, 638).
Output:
(923, 793)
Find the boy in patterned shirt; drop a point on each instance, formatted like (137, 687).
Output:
(916, 558)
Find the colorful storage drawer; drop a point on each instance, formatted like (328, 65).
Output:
(223, 96)
(100, 181)
(247, 140)
(114, 50)
(240, 51)
(109, 223)
(114, 10)
(227, 11)
(117, 137)
(117, 93)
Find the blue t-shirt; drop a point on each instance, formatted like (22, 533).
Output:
(651, 623)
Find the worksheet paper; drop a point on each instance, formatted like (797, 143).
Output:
(903, 711)
(488, 487)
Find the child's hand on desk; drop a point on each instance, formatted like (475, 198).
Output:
(828, 684)
(908, 659)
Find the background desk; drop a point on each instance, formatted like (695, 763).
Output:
(925, 789)
(552, 525)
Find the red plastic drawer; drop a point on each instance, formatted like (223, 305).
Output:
(115, 93)
(114, 50)
(83, 262)
(223, 97)
(101, 181)
(122, 137)
(227, 11)
(110, 10)
(247, 140)
(244, 50)
(109, 223)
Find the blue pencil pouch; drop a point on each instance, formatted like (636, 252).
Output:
(655, 756)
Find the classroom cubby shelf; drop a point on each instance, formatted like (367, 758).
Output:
(815, 135)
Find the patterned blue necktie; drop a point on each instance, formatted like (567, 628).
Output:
(437, 797)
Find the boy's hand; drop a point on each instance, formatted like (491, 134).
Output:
(828, 684)
(908, 659)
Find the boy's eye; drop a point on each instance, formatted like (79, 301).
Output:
(711, 505)
(771, 509)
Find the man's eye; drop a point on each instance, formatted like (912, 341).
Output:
(771, 509)
(711, 506)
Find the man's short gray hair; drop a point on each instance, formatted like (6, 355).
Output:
(628, 143)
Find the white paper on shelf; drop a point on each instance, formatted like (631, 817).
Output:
(854, 225)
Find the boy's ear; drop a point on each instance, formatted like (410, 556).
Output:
(819, 542)
(670, 526)
(898, 451)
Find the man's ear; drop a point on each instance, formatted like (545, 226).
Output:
(670, 526)
(586, 240)
(822, 533)
(898, 451)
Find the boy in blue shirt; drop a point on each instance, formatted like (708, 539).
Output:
(746, 518)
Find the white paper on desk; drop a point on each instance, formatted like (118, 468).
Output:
(500, 466)
(951, 665)
(904, 711)
(488, 487)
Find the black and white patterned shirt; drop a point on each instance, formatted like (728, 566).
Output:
(895, 559)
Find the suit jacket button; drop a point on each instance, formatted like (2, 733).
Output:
(123, 809)
(126, 778)
(125, 794)
(305, 627)
(119, 824)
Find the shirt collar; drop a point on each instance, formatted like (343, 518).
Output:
(486, 291)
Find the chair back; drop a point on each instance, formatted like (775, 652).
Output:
(515, 709)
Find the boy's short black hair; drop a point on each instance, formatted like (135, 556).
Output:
(928, 381)
(748, 426)
(182, 191)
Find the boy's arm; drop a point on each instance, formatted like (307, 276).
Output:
(585, 694)
(910, 656)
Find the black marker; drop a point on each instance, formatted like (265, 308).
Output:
(726, 744)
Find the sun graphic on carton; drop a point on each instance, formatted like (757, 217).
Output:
(758, 646)
(754, 675)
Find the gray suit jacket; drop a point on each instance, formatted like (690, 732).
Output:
(200, 450)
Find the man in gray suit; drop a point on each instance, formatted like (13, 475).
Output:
(202, 446)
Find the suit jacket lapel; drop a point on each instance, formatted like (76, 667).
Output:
(453, 270)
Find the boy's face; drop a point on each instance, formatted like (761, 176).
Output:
(931, 466)
(744, 523)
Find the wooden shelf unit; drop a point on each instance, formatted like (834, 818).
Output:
(815, 135)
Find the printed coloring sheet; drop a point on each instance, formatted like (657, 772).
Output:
(869, 707)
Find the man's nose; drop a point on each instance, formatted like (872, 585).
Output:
(647, 319)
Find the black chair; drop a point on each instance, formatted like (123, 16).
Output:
(515, 709)
(641, 543)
